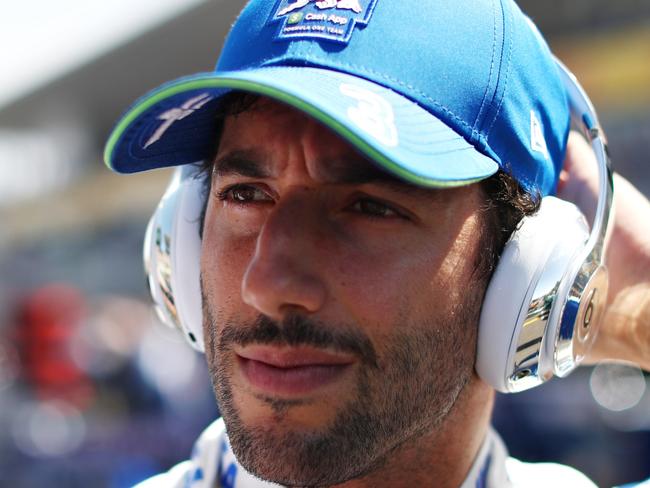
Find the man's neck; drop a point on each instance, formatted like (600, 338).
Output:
(444, 456)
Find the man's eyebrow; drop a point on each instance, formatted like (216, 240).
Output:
(344, 171)
(359, 171)
(241, 163)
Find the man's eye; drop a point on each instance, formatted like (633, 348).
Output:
(243, 194)
(373, 208)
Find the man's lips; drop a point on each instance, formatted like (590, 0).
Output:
(291, 371)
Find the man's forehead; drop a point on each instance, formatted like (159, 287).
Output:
(253, 157)
(258, 162)
(341, 161)
(251, 105)
(341, 171)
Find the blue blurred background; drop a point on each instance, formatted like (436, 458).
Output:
(94, 391)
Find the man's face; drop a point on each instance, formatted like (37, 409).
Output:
(340, 304)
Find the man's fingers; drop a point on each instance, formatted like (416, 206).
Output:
(625, 331)
(579, 178)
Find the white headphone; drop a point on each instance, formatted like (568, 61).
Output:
(542, 307)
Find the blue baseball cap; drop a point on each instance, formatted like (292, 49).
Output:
(438, 92)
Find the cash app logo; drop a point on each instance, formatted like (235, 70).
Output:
(295, 18)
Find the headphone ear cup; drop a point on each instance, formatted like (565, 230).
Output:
(171, 252)
(186, 258)
(157, 252)
(150, 255)
(555, 233)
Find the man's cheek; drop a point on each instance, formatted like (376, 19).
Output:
(374, 293)
(224, 264)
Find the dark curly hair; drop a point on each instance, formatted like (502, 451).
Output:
(506, 202)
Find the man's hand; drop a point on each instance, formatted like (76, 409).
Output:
(625, 330)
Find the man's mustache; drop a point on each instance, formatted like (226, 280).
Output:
(298, 330)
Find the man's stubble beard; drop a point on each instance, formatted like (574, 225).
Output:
(402, 392)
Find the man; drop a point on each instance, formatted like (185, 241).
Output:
(369, 168)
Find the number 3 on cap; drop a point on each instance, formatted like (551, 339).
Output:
(373, 114)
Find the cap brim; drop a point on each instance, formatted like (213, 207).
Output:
(175, 124)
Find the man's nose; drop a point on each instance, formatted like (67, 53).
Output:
(283, 275)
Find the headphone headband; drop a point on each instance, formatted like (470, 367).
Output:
(587, 295)
(584, 116)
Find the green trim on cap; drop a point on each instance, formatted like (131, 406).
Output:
(210, 81)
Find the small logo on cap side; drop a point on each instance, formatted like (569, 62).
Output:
(537, 140)
(175, 114)
(334, 20)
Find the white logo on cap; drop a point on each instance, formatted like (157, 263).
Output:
(176, 114)
(373, 114)
(323, 4)
(537, 141)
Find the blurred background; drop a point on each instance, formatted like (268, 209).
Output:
(93, 390)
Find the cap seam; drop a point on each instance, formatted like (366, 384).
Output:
(303, 49)
(475, 129)
(505, 83)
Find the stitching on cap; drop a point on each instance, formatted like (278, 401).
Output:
(305, 49)
(256, 64)
(494, 49)
(399, 82)
(505, 83)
